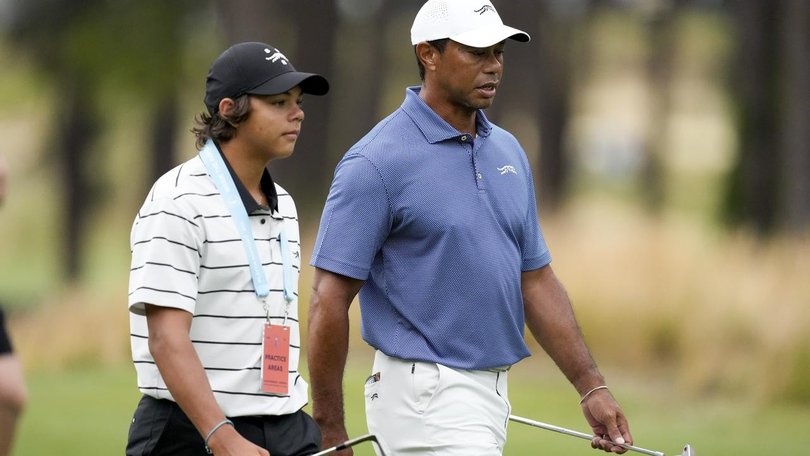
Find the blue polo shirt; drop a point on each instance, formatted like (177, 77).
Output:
(440, 226)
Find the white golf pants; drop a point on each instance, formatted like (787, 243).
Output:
(420, 408)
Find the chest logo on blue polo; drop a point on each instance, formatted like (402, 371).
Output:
(507, 169)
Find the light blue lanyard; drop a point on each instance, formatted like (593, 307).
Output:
(222, 179)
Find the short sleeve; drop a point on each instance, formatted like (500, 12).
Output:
(166, 241)
(356, 219)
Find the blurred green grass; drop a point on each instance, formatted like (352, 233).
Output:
(86, 411)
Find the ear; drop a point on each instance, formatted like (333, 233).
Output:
(428, 55)
(225, 107)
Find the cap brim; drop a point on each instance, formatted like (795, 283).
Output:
(488, 36)
(310, 83)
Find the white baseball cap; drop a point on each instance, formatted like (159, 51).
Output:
(474, 23)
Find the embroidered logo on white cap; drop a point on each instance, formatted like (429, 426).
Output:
(472, 23)
(486, 9)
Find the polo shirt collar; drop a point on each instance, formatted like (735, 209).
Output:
(267, 185)
(432, 125)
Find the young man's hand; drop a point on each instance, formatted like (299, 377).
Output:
(227, 442)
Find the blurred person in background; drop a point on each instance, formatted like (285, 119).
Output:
(214, 278)
(431, 218)
(13, 393)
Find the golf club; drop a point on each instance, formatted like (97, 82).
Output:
(687, 449)
(352, 442)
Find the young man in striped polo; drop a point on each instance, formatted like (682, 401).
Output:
(213, 285)
(432, 218)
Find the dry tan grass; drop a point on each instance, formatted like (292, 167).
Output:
(719, 312)
(77, 327)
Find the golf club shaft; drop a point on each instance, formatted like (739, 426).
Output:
(582, 435)
(351, 443)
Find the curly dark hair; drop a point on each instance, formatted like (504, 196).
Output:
(220, 128)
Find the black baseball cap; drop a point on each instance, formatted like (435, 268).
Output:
(257, 69)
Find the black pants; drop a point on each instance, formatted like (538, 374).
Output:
(160, 427)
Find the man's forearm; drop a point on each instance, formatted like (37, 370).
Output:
(328, 342)
(551, 320)
(326, 355)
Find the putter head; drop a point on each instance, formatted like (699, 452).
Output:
(688, 451)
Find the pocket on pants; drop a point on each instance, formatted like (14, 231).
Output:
(425, 379)
(371, 390)
(147, 426)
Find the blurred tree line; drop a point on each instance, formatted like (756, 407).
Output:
(139, 46)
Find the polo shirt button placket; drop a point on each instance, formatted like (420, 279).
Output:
(467, 140)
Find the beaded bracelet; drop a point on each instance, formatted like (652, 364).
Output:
(585, 396)
(214, 429)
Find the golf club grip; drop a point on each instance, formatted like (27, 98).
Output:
(582, 435)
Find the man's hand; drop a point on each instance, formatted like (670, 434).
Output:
(607, 421)
(333, 436)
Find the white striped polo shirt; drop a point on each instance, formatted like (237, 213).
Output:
(187, 254)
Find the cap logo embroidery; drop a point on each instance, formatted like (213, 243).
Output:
(275, 56)
(507, 169)
(485, 9)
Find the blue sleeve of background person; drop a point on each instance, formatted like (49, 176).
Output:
(355, 221)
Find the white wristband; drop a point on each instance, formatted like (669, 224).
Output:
(585, 396)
